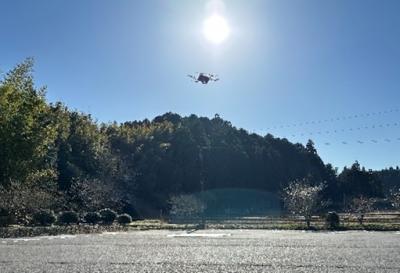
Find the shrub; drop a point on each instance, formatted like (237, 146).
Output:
(332, 220)
(108, 216)
(92, 217)
(6, 218)
(68, 217)
(131, 210)
(44, 217)
(124, 219)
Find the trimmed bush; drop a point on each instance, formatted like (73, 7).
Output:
(131, 210)
(6, 218)
(124, 219)
(107, 216)
(332, 220)
(68, 217)
(92, 218)
(44, 218)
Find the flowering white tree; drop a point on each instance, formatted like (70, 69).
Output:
(360, 206)
(395, 199)
(302, 199)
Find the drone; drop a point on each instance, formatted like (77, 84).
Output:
(204, 78)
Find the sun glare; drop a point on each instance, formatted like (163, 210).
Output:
(216, 29)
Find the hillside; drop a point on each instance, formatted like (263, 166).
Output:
(57, 158)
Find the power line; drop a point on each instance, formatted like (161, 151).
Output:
(362, 142)
(344, 130)
(335, 119)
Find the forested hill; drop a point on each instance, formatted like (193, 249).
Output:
(57, 158)
(172, 154)
(390, 178)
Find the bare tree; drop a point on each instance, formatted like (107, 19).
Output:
(302, 199)
(21, 200)
(92, 195)
(186, 205)
(360, 206)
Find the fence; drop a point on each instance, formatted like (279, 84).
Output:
(346, 219)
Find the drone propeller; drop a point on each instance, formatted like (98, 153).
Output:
(214, 77)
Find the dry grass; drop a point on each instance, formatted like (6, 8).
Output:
(377, 221)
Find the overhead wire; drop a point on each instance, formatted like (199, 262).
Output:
(335, 119)
(343, 130)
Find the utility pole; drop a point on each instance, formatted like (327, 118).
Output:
(202, 177)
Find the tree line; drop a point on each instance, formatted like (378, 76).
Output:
(52, 157)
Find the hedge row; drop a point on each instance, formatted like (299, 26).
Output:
(48, 217)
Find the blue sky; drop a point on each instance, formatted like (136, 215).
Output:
(285, 62)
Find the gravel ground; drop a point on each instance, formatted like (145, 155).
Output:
(205, 251)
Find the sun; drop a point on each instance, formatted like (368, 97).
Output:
(216, 29)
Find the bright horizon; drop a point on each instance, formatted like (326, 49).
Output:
(328, 71)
